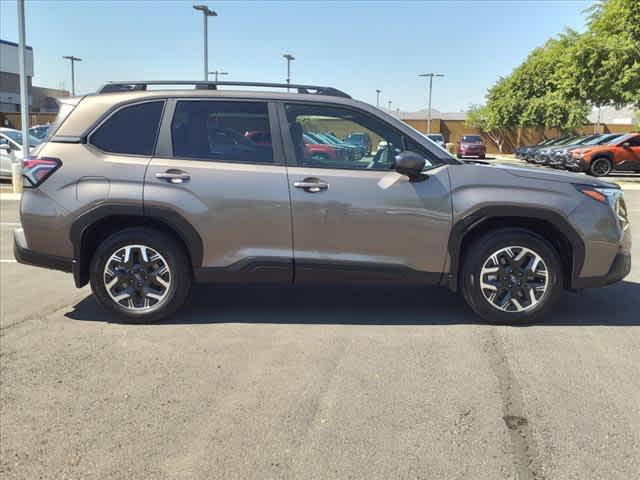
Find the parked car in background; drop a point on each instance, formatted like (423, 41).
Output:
(561, 155)
(360, 139)
(540, 156)
(471, 146)
(621, 153)
(342, 151)
(529, 153)
(358, 150)
(437, 138)
(521, 152)
(39, 131)
(555, 156)
(11, 149)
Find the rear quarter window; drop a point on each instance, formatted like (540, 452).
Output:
(131, 130)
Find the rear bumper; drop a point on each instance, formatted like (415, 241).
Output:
(29, 257)
(619, 269)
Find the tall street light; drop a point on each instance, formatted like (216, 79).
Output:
(206, 13)
(289, 57)
(377, 98)
(430, 75)
(73, 60)
(218, 72)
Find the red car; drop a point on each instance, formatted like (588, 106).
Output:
(314, 151)
(472, 146)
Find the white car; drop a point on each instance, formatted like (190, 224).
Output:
(11, 149)
(438, 138)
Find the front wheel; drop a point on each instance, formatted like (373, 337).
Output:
(600, 167)
(511, 276)
(141, 274)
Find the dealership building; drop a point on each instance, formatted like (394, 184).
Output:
(41, 100)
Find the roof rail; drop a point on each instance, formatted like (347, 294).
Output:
(112, 87)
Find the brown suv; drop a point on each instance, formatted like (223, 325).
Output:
(621, 153)
(141, 192)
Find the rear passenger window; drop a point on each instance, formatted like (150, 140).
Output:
(223, 131)
(131, 130)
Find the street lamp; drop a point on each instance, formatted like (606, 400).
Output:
(378, 98)
(206, 13)
(430, 75)
(218, 72)
(289, 57)
(389, 108)
(73, 60)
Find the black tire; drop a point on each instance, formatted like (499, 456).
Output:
(459, 156)
(481, 250)
(600, 167)
(176, 260)
(482, 157)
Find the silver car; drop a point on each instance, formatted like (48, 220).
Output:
(142, 192)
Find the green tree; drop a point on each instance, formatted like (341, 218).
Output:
(603, 66)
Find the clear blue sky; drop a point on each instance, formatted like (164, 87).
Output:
(356, 46)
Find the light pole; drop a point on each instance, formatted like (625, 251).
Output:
(206, 13)
(218, 72)
(16, 166)
(73, 60)
(377, 98)
(389, 108)
(430, 75)
(289, 57)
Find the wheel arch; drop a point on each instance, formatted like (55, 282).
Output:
(548, 224)
(97, 224)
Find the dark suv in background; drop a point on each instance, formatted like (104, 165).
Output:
(141, 192)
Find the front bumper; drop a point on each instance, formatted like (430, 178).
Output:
(29, 257)
(620, 268)
(575, 164)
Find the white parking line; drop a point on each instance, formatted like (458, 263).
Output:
(8, 260)
(10, 224)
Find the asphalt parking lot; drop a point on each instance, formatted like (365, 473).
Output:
(363, 383)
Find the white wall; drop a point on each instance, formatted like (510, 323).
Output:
(9, 60)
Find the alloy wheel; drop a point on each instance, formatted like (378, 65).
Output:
(514, 279)
(601, 167)
(137, 277)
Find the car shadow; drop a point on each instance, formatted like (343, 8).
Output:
(615, 305)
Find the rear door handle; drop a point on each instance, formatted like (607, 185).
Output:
(312, 185)
(173, 176)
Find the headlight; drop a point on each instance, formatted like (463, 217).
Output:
(610, 195)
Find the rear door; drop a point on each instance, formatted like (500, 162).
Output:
(357, 219)
(231, 189)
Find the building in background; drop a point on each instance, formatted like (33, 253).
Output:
(41, 99)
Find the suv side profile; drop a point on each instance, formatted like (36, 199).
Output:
(142, 192)
(621, 153)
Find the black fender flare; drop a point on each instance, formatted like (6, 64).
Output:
(168, 216)
(470, 222)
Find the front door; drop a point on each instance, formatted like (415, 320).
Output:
(216, 166)
(355, 218)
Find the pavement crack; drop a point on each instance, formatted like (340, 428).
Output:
(523, 448)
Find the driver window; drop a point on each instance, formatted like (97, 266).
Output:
(334, 137)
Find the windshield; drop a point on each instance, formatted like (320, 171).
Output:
(16, 136)
(601, 139)
(471, 138)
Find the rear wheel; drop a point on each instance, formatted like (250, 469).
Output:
(511, 276)
(600, 167)
(141, 274)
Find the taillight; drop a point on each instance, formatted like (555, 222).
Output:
(37, 169)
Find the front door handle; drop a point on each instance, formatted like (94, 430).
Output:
(312, 185)
(173, 176)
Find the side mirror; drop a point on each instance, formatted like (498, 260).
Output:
(626, 145)
(5, 148)
(410, 164)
